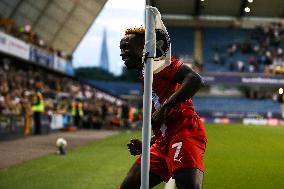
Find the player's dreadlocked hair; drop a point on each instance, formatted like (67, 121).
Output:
(162, 39)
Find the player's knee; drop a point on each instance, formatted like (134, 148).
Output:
(188, 179)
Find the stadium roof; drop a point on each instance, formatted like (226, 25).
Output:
(231, 8)
(62, 23)
(220, 13)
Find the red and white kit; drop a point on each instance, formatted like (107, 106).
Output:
(181, 140)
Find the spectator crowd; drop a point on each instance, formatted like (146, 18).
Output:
(27, 34)
(262, 49)
(19, 84)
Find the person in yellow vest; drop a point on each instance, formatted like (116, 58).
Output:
(38, 110)
(77, 112)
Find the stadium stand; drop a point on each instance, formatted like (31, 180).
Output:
(26, 34)
(31, 64)
(119, 88)
(18, 86)
(182, 40)
(234, 49)
(248, 52)
(216, 41)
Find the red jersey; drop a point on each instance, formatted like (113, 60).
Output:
(181, 114)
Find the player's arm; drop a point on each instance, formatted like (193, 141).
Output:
(190, 82)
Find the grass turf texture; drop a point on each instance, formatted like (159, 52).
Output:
(249, 157)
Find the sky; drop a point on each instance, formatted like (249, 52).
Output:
(115, 17)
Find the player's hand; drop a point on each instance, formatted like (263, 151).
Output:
(135, 147)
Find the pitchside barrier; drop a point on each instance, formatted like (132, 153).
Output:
(246, 118)
(273, 121)
(12, 126)
(18, 48)
(15, 126)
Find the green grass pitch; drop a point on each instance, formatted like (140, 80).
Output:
(237, 157)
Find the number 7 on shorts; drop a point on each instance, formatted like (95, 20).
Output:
(178, 146)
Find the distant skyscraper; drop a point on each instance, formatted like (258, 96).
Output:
(104, 61)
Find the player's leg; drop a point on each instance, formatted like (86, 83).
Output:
(188, 178)
(133, 178)
(186, 161)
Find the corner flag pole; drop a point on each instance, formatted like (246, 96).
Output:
(150, 52)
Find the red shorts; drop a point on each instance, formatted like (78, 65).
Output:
(184, 150)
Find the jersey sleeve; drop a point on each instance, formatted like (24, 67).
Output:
(170, 71)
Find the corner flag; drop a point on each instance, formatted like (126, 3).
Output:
(152, 65)
(160, 62)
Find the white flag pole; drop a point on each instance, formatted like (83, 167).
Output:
(149, 50)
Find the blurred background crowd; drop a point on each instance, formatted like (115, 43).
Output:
(259, 50)
(26, 33)
(61, 95)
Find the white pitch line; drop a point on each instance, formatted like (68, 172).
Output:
(170, 184)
